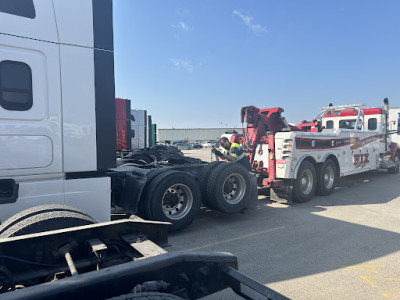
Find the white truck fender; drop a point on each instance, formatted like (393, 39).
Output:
(326, 156)
(299, 161)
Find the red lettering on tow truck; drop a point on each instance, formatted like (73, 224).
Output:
(360, 160)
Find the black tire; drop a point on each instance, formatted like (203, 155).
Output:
(43, 218)
(228, 188)
(147, 296)
(153, 154)
(173, 197)
(137, 163)
(146, 159)
(143, 211)
(305, 183)
(6, 280)
(171, 153)
(395, 169)
(33, 211)
(203, 180)
(326, 178)
(139, 160)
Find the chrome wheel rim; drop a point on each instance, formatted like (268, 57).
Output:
(234, 188)
(329, 177)
(177, 201)
(306, 182)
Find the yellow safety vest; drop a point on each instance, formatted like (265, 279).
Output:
(241, 152)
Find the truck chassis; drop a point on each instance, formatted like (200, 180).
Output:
(116, 258)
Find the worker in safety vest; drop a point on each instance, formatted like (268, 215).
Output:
(234, 153)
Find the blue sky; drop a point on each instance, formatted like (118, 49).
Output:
(195, 63)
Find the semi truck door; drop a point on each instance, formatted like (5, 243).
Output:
(30, 100)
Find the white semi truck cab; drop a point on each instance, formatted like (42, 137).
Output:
(57, 124)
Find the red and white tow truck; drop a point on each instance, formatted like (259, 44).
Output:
(295, 161)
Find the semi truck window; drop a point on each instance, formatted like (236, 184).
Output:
(372, 124)
(15, 85)
(22, 8)
(329, 124)
(132, 134)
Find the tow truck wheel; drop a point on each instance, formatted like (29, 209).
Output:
(395, 169)
(173, 197)
(327, 176)
(228, 188)
(304, 185)
(146, 296)
(44, 218)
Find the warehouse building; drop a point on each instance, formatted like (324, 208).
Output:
(193, 134)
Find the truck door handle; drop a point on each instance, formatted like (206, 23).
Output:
(8, 191)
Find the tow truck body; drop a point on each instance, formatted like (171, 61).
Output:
(394, 118)
(352, 138)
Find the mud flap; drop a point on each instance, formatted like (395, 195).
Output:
(127, 189)
(282, 195)
(253, 199)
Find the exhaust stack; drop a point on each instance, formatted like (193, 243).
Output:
(386, 106)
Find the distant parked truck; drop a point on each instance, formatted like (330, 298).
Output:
(134, 127)
(139, 129)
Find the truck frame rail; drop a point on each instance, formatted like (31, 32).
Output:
(115, 258)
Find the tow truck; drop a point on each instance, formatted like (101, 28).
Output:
(296, 161)
(58, 174)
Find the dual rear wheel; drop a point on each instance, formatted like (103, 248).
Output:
(310, 180)
(175, 196)
(171, 196)
(225, 187)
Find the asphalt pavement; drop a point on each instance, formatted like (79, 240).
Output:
(342, 246)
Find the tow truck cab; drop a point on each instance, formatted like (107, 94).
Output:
(370, 119)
